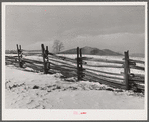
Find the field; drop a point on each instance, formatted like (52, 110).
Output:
(32, 90)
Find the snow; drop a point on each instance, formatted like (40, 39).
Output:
(30, 90)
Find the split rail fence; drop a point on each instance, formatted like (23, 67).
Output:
(80, 68)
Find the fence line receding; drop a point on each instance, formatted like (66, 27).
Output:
(81, 69)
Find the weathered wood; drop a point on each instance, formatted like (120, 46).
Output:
(51, 71)
(68, 74)
(136, 76)
(11, 62)
(57, 67)
(108, 66)
(111, 77)
(77, 71)
(32, 51)
(13, 56)
(87, 58)
(65, 68)
(104, 60)
(137, 61)
(64, 72)
(64, 58)
(68, 67)
(47, 53)
(137, 67)
(111, 73)
(34, 66)
(139, 75)
(105, 81)
(62, 65)
(54, 71)
(10, 59)
(14, 60)
(126, 70)
(32, 61)
(137, 80)
(18, 51)
(51, 63)
(139, 86)
(132, 63)
(61, 62)
(78, 67)
(81, 68)
(44, 62)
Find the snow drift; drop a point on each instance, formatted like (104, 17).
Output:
(30, 90)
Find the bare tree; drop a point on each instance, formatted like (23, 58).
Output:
(57, 46)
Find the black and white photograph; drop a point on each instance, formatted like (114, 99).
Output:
(74, 58)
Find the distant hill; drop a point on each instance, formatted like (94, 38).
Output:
(91, 51)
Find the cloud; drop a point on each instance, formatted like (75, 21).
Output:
(116, 27)
(37, 45)
(119, 42)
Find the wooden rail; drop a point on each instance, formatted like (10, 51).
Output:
(108, 66)
(108, 82)
(33, 66)
(64, 58)
(61, 62)
(104, 60)
(32, 54)
(80, 68)
(31, 50)
(105, 76)
(98, 71)
(32, 61)
(137, 67)
(139, 75)
(137, 61)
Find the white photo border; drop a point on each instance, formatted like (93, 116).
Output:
(67, 114)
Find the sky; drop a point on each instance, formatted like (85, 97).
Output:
(118, 28)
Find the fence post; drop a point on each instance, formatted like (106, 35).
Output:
(21, 62)
(81, 70)
(44, 62)
(47, 63)
(78, 69)
(126, 70)
(18, 51)
(47, 53)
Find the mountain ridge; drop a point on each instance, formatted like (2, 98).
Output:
(91, 51)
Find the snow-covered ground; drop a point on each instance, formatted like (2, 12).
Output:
(24, 89)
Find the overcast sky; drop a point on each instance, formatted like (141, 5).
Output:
(118, 28)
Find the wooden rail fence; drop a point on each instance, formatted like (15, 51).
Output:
(79, 67)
